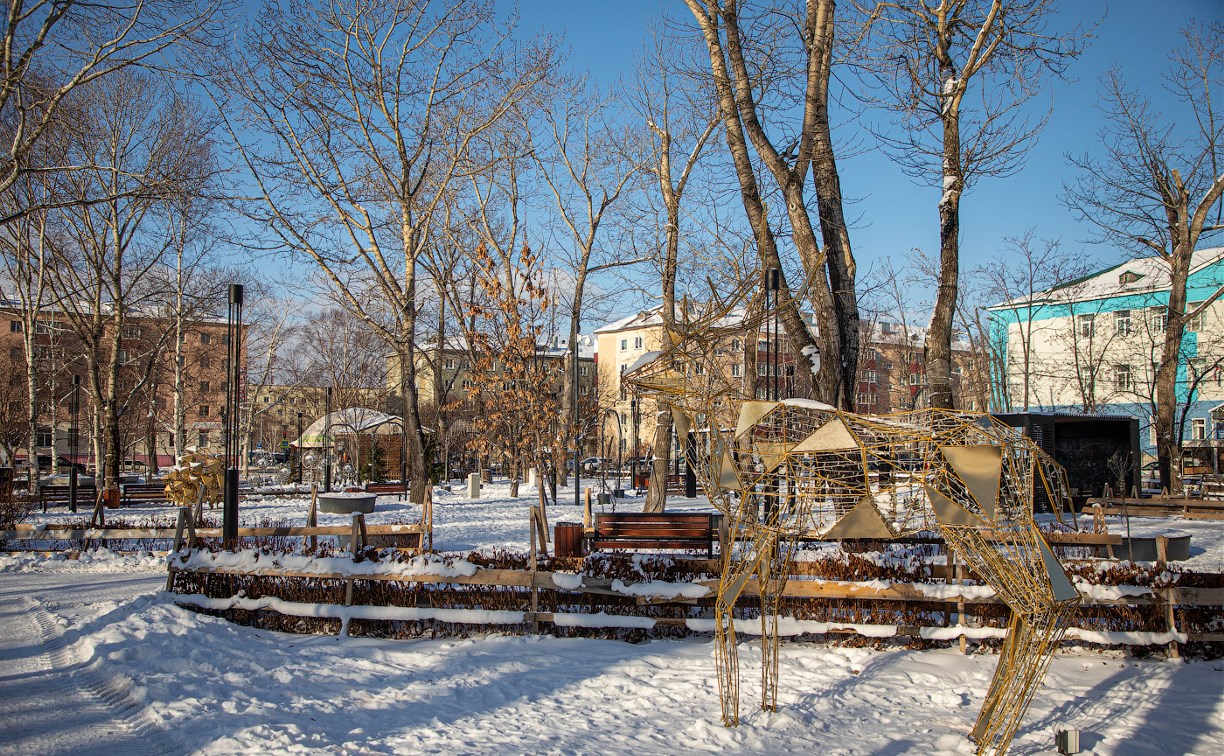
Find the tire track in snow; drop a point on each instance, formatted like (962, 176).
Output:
(108, 694)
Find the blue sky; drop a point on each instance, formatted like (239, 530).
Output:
(895, 214)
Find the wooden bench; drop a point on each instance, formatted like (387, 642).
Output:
(131, 493)
(386, 488)
(49, 495)
(689, 531)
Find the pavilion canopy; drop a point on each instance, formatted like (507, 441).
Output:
(347, 421)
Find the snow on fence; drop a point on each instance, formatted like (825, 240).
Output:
(511, 597)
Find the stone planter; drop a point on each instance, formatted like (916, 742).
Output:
(347, 503)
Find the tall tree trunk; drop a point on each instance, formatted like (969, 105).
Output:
(738, 111)
(939, 335)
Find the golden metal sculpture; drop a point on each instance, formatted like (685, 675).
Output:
(195, 473)
(781, 469)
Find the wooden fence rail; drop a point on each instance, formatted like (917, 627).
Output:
(534, 579)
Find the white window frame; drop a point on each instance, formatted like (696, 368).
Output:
(1122, 322)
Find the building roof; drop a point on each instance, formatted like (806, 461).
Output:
(1144, 275)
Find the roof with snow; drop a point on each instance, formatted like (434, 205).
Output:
(348, 420)
(1144, 275)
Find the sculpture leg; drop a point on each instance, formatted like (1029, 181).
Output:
(1023, 660)
(735, 575)
(1026, 576)
(726, 662)
(769, 629)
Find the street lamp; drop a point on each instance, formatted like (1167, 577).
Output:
(327, 452)
(75, 437)
(633, 410)
(299, 448)
(772, 280)
(233, 355)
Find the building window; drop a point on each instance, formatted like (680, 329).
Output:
(206, 338)
(1084, 324)
(448, 363)
(584, 370)
(204, 387)
(204, 410)
(1196, 323)
(1157, 316)
(735, 345)
(762, 345)
(1128, 278)
(915, 379)
(737, 371)
(762, 369)
(42, 438)
(124, 357)
(130, 332)
(699, 369)
(1122, 377)
(42, 327)
(869, 376)
(15, 326)
(1122, 322)
(205, 363)
(203, 438)
(637, 342)
(1198, 428)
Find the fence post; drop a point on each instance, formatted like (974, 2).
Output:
(312, 517)
(535, 591)
(960, 605)
(1169, 594)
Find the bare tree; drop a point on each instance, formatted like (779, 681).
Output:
(681, 119)
(1027, 267)
(957, 73)
(53, 48)
(147, 149)
(749, 63)
(1155, 188)
(368, 112)
(582, 160)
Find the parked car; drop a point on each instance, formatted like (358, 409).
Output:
(595, 464)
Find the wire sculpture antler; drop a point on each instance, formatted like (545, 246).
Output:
(779, 470)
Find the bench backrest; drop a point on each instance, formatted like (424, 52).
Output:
(656, 524)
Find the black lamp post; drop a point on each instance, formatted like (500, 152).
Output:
(633, 410)
(577, 429)
(75, 407)
(298, 451)
(772, 282)
(327, 452)
(233, 367)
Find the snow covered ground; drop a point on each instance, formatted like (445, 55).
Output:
(94, 658)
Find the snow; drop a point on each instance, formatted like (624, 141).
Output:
(661, 589)
(97, 658)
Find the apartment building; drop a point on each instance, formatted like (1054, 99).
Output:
(1092, 346)
(146, 389)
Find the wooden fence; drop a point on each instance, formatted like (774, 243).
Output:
(579, 589)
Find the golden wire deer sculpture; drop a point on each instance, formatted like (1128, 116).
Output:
(781, 469)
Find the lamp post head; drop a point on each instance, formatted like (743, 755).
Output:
(235, 294)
